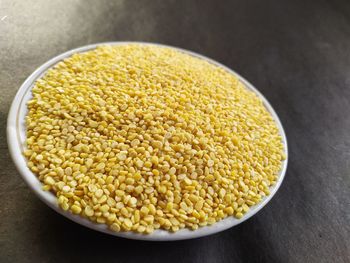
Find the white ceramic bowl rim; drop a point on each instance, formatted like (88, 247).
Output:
(16, 139)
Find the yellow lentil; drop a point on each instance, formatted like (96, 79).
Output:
(143, 137)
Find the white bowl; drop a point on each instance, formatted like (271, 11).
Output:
(16, 134)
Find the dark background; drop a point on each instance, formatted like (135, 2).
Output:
(297, 53)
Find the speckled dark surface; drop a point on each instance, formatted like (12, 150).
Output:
(297, 53)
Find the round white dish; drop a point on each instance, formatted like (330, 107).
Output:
(16, 134)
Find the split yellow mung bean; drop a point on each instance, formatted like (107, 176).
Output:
(143, 137)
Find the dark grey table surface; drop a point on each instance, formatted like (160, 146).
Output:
(297, 53)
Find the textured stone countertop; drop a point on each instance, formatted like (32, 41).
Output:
(297, 53)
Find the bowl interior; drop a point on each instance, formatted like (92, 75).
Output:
(16, 135)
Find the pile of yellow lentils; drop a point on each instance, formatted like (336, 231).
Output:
(142, 137)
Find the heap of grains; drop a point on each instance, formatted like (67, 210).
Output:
(142, 137)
